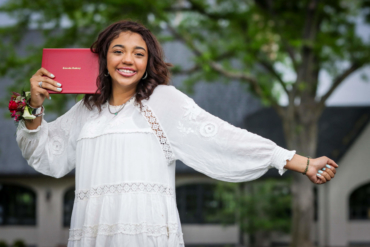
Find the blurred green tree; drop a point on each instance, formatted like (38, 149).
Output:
(258, 207)
(255, 42)
(3, 243)
(18, 243)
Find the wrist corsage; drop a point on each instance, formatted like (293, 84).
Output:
(19, 106)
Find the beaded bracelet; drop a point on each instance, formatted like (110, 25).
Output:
(308, 161)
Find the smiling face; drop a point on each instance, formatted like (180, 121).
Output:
(127, 58)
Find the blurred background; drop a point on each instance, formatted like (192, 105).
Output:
(295, 72)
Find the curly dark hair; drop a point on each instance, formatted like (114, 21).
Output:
(157, 69)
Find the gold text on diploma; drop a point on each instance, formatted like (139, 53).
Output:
(71, 67)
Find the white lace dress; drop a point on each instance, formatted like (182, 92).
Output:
(125, 164)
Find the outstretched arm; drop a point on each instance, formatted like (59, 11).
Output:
(209, 144)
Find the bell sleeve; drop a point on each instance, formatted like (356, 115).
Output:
(51, 148)
(212, 146)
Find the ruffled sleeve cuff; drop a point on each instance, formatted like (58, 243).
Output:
(21, 128)
(279, 158)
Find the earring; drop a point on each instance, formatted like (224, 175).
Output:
(146, 73)
(106, 75)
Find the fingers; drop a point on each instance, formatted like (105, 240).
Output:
(38, 93)
(322, 178)
(48, 83)
(326, 175)
(332, 163)
(333, 170)
(329, 169)
(330, 172)
(43, 71)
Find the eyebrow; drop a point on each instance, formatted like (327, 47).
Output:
(136, 47)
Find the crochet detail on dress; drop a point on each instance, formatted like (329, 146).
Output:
(208, 129)
(192, 109)
(77, 234)
(56, 144)
(121, 188)
(154, 124)
(57, 138)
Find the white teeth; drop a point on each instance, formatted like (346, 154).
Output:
(126, 71)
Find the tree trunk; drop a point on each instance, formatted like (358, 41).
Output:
(302, 211)
(302, 137)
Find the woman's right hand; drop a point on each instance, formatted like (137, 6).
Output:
(39, 94)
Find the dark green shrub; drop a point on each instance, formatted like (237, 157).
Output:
(18, 243)
(3, 243)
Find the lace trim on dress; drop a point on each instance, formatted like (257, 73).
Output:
(131, 187)
(77, 234)
(156, 127)
(115, 132)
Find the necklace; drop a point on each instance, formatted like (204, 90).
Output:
(115, 113)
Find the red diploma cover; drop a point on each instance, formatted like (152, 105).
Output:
(75, 68)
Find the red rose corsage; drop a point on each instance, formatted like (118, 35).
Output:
(19, 106)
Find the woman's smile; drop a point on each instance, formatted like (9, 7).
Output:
(126, 72)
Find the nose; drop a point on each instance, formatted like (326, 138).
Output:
(127, 58)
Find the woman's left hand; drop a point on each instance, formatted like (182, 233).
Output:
(321, 166)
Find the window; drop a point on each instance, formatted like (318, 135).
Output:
(359, 203)
(17, 205)
(197, 204)
(68, 200)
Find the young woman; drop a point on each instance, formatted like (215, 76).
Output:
(124, 142)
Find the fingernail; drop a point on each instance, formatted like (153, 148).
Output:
(318, 175)
(49, 97)
(327, 166)
(58, 84)
(59, 89)
(320, 171)
(52, 75)
(324, 169)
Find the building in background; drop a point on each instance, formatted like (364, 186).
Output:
(37, 208)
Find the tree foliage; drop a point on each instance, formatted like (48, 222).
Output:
(230, 39)
(259, 206)
(60, 24)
